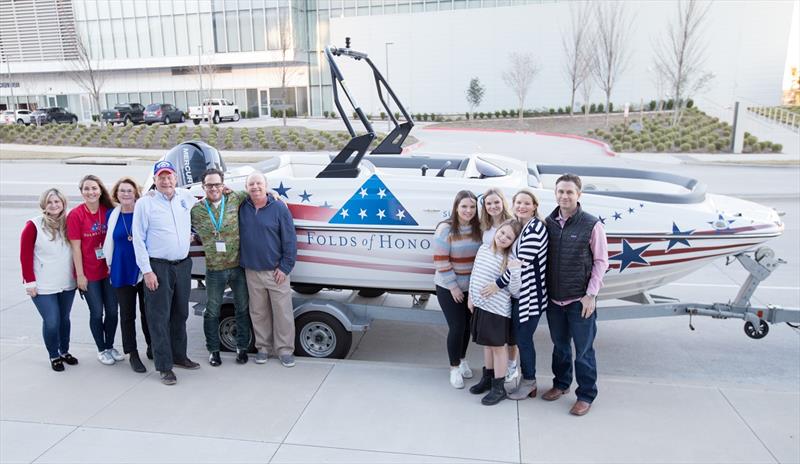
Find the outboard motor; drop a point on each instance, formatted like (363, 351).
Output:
(192, 159)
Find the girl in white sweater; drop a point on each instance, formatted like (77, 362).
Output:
(491, 319)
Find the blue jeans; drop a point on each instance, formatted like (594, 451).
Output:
(216, 281)
(566, 324)
(103, 313)
(524, 334)
(55, 309)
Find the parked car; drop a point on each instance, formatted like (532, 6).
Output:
(16, 117)
(163, 112)
(53, 114)
(124, 113)
(215, 109)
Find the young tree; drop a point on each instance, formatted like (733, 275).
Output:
(519, 76)
(611, 55)
(586, 93)
(85, 73)
(680, 56)
(475, 93)
(576, 42)
(286, 44)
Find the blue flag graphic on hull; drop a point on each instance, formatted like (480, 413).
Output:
(373, 204)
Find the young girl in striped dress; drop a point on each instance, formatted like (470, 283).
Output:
(491, 319)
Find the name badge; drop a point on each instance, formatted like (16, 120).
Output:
(220, 246)
(98, 253)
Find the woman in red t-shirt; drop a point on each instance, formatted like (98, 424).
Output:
(86, 231)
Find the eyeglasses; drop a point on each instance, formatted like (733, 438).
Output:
(212, 186)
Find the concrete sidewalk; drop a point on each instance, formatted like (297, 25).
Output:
(352, 411)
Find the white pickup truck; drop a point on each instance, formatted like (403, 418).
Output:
(214, 109)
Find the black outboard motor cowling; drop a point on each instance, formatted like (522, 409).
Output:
(191, 159)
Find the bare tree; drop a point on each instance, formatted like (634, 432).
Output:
(86, 74)
(475, 93)
(611, 55)
(519, 76)
(679, 57)
(586, 93)
(205, 75)
(576, 42)
(286, 44)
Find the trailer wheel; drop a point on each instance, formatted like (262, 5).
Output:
(306, 289)
(371, 292)
(756, 334)
(320, 335)
(228, 330)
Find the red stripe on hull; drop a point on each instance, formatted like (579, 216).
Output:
(311, 213)
(668, 261)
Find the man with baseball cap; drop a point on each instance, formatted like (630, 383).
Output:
(161, 236)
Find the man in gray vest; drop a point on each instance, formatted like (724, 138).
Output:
(577, 259)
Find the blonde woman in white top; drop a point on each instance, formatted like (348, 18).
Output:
(48, 274)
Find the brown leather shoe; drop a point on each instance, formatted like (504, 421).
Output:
(580, 408)
(554, 394)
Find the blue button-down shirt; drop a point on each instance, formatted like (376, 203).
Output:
(162, 228)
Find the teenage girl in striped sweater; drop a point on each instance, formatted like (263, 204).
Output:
(455, 244)
(491, 321)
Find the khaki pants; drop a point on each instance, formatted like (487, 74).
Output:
(271, 312)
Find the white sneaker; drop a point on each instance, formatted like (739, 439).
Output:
(455, 377)
(105, 358)
(466, 372)
(116, 355)
(512, 373)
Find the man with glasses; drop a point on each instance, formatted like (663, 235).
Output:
(216, 221)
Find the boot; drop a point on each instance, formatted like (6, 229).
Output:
(526, 388)
(136, 362)
(484, 384)
(497, 394)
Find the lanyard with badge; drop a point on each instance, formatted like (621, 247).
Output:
(220, 244)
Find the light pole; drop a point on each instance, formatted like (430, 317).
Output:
(389, 99)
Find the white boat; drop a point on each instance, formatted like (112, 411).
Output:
(366, 221)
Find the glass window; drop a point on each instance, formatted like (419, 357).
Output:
(227, 94)
(181, 36)
(205, 6)
(191, 6)
(207, 34)
(232, 29)
(251, 97)
(246, 29)
(102, 9)
(115, 8)
(156, 40)
(144, 37)
(402, 6)
(158, 97)
(168, 29)
(431, 5)
(302, 101)
(91, 11)
(389, 6)
(349, 11)
(108, 39)
(133, 97)
(128, 8)
(193, 28)
(131, 38)
(363, 7)
(180, 100)
(79, 9)
(145, 98)
(191, 99)
(169, 97)
(219, 33)
(285, 39)
(273, 35)
(152, 7)
(166, 8)
(119, 38)
(459, 4)
(259, 30)
(474, 4)
(140, 8)
(218, 5)
(178, 7)
(240, 99)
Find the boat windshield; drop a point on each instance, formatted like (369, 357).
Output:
(489, 169)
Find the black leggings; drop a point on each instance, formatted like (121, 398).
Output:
(457, 316)
(127, 297)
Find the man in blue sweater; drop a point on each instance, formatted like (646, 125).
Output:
(268, 245)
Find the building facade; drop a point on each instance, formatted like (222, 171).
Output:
(266, 54)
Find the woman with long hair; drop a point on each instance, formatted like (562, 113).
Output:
(86, 231)
(124, 274)
(46, 259)
(531, 250)
(494, 211)
(455, 244)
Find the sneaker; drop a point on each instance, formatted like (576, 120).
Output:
(57, 364)
(241, 356)
(261, 357)
(168, 377)
(105, 358)
(455, 378)
(512, 374)
(187, 364)
(69, 359)
(116, 355)
(214, 359)
(287, 360)
(466, 372)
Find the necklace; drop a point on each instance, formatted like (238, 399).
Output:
(127, 231)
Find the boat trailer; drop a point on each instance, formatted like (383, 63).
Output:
(325, 323)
